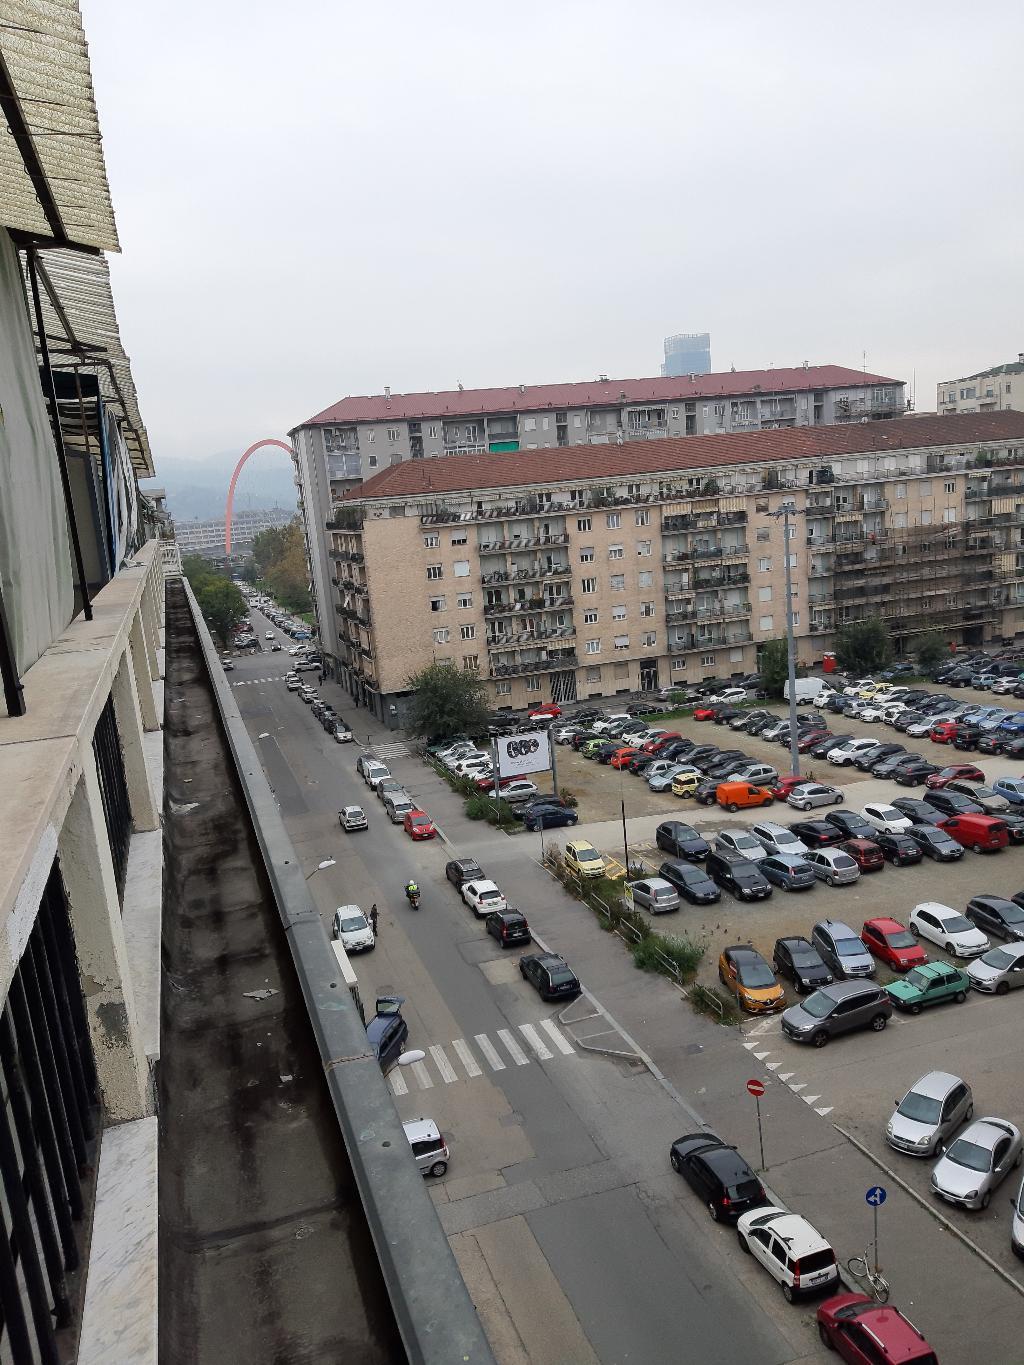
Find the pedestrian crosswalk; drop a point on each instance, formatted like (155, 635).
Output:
(398, 749)
(249, 682)
(541, 1042)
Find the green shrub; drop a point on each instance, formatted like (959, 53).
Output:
(568, 797)
(478, 808)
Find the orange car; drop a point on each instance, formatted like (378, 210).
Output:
(744, 971)
(621, 757)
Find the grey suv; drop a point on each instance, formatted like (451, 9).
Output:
(839, 1008)
(842, 949)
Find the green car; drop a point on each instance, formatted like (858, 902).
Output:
(591, 747)
(929, 985)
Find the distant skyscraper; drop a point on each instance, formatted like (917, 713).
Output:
(688, 353)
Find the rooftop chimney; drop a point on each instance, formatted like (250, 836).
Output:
(387, 393)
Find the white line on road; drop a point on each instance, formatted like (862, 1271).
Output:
(800, 1085)
(534, 1039)
(465, 1056)
(564, 1046)
(490, 1054)
(421, 1073)
(443, 1064)
(786, 1075)
(398, 1084)
(762, 1055)
(808, 1099)
(514, 1050)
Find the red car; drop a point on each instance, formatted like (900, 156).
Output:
(785, 785)
(620, 758)
(812, 737)
(893, 943)
(969, 772)
(649, 746)
(548, 708)
(860, 1330)
(485, 784)
(418, 825)
(667, 737)
(943, 733)
(704, 713)
(865, 853)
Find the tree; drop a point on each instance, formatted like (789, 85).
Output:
(222, 605)
(774, 667)
(864, 646)
(448, 701)
(280, 557)
(931, 650)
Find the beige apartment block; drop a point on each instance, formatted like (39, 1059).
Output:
(585, 573)
(1000, 389)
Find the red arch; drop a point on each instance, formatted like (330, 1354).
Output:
(269, 441)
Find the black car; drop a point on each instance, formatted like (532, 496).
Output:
(547, 816)
(639, 762)
(839, 704)
(387, 1032)
(748, 719)
(724, 768)
(718, 1174)
(604, 752)
(1014, 822)
(936, 843)
(580, 738)
(852, 824)
(523, 809)
(706, 792)
(732, 872)
(703, 755)
(891, 764)
(914, 774)
(905, 719)
(509, 927)
(759, 723)
(967, 737)
(681, 841)
(820, 747)
(691, 881)
(801, 963)
(788, 871)
(678, 749)
(919, 811)
(462, 870)
(818, 833)
(550, 975)
(898, 849)
(865, 760)
(952, 803)
(996, 915)
(993, 743)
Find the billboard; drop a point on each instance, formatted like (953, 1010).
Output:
(521, 754)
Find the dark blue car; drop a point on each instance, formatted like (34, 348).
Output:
(550, 817)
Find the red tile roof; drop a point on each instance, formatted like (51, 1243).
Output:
(590, 393)
(566, 464)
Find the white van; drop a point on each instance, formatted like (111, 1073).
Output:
(809, 690)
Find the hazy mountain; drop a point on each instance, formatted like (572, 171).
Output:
(199, 488)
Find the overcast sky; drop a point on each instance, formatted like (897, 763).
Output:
(322, 198)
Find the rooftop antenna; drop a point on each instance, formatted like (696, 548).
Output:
(864, 361)
(460, 386)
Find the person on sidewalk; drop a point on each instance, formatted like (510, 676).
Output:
(373, 918)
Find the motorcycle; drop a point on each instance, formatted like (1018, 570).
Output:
(413, 897)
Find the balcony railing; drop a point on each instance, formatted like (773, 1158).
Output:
(487, 547)
(692, 643)
(732, 580)
(525, 608)
(726, 612)
(525, 575)
(528, 639)
(552, 663)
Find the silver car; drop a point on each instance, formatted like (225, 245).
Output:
(743, 842)
(832, 866)
(929, 1114)
(813, 794)
(778, 839)
(976, 1162)
(656, 895)
(999, 970)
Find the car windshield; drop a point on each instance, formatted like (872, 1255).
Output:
(887, 813)
(920, 1108)
(353, 924)
(745, 841)
(560, 975)
(999, 958)
(587, 855)
(918, 979)
(903, 939)
(957, 924)
(747, 875)
(805, 957)
(756, 975)
(969, 1154)
(686, 832)
(818, 1005)
(419, 820)
(849, 947)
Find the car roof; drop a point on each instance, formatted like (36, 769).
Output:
(986, 1132)
(743, 952)
(794, 940)
(886, 924)
(422, 1130)
(935, 1085)
(936, 908)
(579, 843)
(483, 884)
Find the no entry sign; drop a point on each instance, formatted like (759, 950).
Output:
(756, 1088)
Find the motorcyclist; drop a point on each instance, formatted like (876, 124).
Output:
(411, 890)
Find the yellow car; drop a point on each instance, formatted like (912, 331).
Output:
(745, 972)
(685, 784)
(583, 858)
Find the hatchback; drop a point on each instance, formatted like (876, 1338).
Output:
(945, 926)
(429, 1149)
(550, 975)
(999, 970)
(792, 1251)
(718, 1175)
(655, 894)
(813, 794)
(929, 1114)
(778, 839)
(935, 843)
(859, 1330)
(842, 949)
(418, 825)
(816, 833)
(852, 824)
(930, 984)
(977, 1162)
(789, 871)
(892, 943)
(741, 841)
(583, 858)
(681, 841)
(691, 881)
(970, 772)
(509, 927)
(549, 817)
(864, 852)
(801, 962)
(832, 866)
(742, 970)
(840, 1008)
(996, 915)
(352, 818)
(462, 870)
(898, 849)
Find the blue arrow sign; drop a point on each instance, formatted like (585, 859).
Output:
(876, 1196)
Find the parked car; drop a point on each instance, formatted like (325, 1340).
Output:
(1012, 788)
(776, 838)
(929, 1114)
(913, 774)
(862, 1330)
(733, 796)
(990, 801)
(743, 970)
(482, 897)
(546, 816)
(832, 866)
(681, 841)
(352, 818)
(997, 915)
(549, 975)
(935, 843)
(799, 961)
(844, 754)
(398, 805)
(789, 871)
(352, 928)
(842, 949)
(976, 1163)
(899, 849)
(387, 1032)
(718, 1174)
(691, 881)
(509, 927)
(864, 852)
(982, 833)
(970, 772)
(816, 833)
(792, 1251)
(851, 823)
(655, 894)
(741, 841)
(833, 1010)
(945, 926)
(885, 818)
(920, 812)
(374, 773)
(738, 875)
(999, 970)
(342, 734)
(583, 858)
(785, 785)
(462, 870)
(429, 1149)
(812, 794)
(892, 943)
(867, 758)
(931, 984)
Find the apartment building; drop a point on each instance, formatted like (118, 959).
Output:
(996, 390)
(590, 572)
(207, 536)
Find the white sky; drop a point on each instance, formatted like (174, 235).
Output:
(322, 198)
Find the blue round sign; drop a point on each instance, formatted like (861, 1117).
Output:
(876, 1196)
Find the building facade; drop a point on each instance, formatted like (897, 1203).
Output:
(590, 573)
(1000, 389)
(687, 353)
(207, 536)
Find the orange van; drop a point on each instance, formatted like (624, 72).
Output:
(736, 795)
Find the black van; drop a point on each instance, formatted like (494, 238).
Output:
(387, 1032)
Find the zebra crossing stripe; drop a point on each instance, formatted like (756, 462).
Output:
(398, 1085)
(531, 1035)
(565, 1048)
(443, 1064)
(419, 1070)
(490, 1053)
(514, 1050)
(465, 1056)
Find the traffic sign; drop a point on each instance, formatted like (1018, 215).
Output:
(756, 1088)
(876, 1196)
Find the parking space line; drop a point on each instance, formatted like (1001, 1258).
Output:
(514, 1050)
(563, 1045)
(421, 1073)
(490, 1053)
(398, 1085)
(465, 1056)
(442, 1063)
(531, 1035)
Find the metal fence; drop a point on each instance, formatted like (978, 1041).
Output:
(106, 745)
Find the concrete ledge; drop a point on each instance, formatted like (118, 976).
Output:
(119, 1318)
(141, 916)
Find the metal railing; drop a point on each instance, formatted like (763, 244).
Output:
(117, 815)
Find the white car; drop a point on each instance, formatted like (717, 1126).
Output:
(353, 929)
(375, 773)
(352, 817)
(268, 635)
(482, 897)
(293, 684)
(885, 818)
(844, 755)
(743, 842)
(917, 729)
(948, 928)
(854, 689)
(728, 696)
(473, 767)
(977, 1161)
(871, 712)
(600, 726)
(792, 1251)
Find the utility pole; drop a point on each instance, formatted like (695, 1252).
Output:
(794, 752)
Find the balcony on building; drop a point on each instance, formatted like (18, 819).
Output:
(687, 642)
(879, 403)
(643, 423)
(550, 662)
(502, 433)
(463, 437)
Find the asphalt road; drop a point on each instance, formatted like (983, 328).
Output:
(577, 1241)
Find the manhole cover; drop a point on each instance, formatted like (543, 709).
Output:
(692, 1048)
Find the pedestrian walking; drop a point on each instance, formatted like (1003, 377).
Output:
(373, 918)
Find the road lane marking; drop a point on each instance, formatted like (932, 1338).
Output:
(786, 1075)
(809, 1099)
(514, 1050)
(398, 1084)
(800, 1085)
(825, 1109)
(531, 1035)
(424, 1077)
(774, 1066)
(564, 1046)
(442, 1063)
(490, 1054)
(762, 1055)
(465, 1056)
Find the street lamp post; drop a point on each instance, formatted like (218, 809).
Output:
(327, 862)
(784, 512)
